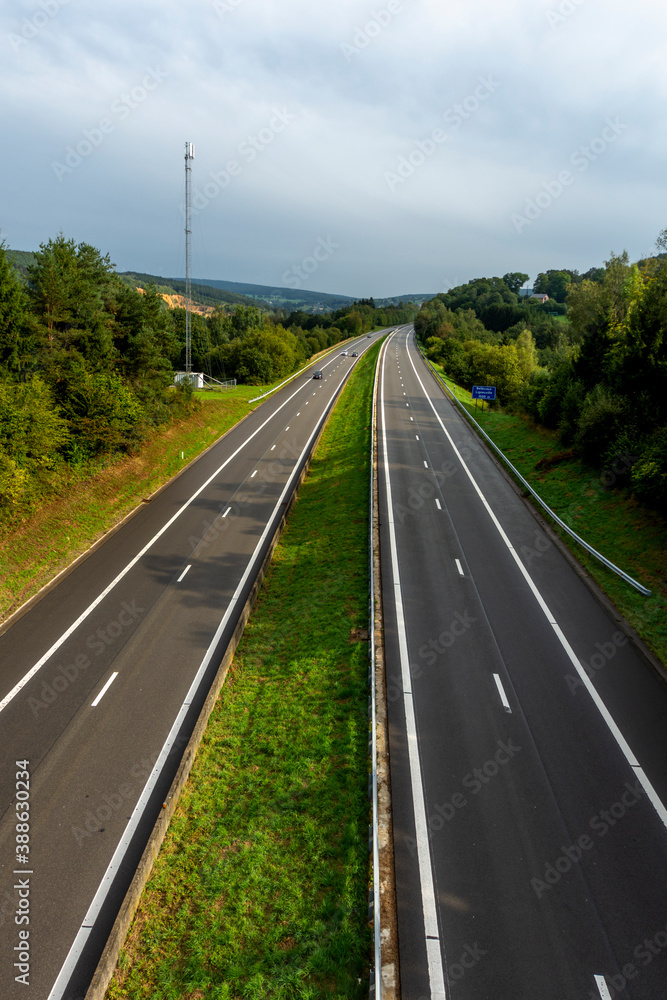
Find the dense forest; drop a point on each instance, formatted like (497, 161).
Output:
(87, 361)
(591, 362)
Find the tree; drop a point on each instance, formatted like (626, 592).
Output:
(526, 353)
(16, 335)
(515, 280)
(71, 288)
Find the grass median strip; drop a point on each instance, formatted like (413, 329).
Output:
(608, 518)
(260, 889)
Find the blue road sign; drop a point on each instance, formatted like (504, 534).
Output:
(484, 392)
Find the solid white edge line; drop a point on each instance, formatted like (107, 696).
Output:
(99, 898)
(501, 692)
(132, 563)
(459, 566)
(377, 923)
(657, 803)
(430, 915)
(104, 690)
(185, 571)
(603, 989)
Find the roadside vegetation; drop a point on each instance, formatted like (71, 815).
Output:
(260, 889)
(591, 364)
(87, 363)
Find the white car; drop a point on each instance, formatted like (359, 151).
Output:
(343, 354)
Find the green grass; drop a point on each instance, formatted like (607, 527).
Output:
(260, 890)
(609, 519)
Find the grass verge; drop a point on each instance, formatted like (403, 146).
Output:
(609, 519)
(260, 889)
(34, 551)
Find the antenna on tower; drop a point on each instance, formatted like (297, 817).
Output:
(189, 155)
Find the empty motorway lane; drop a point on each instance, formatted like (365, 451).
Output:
(101, 682)
(527, 735)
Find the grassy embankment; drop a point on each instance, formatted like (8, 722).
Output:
(609, 519)
(34, 551)
(260, 890)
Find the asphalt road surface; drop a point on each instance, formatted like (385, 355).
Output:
(102, 680)
(527, 734)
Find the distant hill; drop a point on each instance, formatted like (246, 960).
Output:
(212, 292)
(288, 298)
(397, 300)
(21, 259)
(300, 298)
(205, 295)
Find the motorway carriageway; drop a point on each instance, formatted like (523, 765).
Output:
(528, 797)
(102, 680)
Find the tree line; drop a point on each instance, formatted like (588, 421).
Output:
(594, 369)
(87, 361)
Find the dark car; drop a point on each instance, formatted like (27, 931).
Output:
(354, 354)
(317, 374)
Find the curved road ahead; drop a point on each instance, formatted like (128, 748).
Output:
(527, 735)
(102, 680)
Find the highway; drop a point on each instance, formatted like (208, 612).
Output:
(528, 735)
(101, 682)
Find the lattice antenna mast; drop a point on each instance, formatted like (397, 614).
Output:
(189, 156)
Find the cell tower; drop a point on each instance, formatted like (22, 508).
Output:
(189, 155)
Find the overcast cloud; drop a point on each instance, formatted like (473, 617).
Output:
(424, 142)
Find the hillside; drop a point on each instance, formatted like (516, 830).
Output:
(209, 293)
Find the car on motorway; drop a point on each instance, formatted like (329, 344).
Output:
(368, 336)
(317, 374)
(354, 354)
(343, 354)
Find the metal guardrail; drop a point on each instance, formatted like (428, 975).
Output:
(376, 984)
(577, 538)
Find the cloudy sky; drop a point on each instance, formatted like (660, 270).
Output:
(351, 147)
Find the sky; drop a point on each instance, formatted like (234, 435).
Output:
(358, 148)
